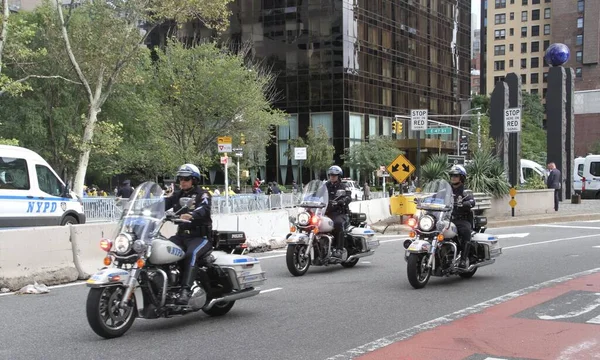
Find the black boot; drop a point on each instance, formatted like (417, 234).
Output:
(464, 256)
(187, 281)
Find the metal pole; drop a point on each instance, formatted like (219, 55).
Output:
(227, 208)
(238, 172)
(418, 158)
(479, 130)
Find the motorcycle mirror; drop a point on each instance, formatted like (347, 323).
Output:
(340, 193)
(186, 201)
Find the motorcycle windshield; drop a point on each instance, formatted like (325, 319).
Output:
(315, 195)
(143, 212)
(436, 195)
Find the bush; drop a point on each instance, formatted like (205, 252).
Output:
(533, 183)
(486, 175)
(435, 168)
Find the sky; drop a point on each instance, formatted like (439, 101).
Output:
(476, 9)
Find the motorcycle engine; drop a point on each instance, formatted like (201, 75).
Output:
(174, 275)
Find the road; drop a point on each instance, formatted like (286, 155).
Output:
(327, 312)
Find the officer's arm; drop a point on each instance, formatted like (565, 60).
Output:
(169, 202)
(468, 199)
(203, 206)
(346, 199)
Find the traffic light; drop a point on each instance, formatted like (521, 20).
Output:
(394, 127)
(399, 127)
(242, 139)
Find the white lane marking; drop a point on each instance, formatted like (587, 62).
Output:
(269, 290)
(572, 351)
(568, 226)
(506, 236)
(365, 262)
(50, 287)
(410, 332)
(572, 314)
(597, 246)
(550, 241)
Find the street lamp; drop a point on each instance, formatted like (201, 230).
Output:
(459, 129)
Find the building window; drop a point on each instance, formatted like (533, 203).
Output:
(579, 56)
(512, 1)
(534, 91)
(580, 5)
(535, 78)
(524, 2)
(511, 47)
(535, 62)
(546, 29)
(523, 48)
(512, 15)
(523, 63)
(535, 2)
(497, 79)
(579, 40)
(499, 49)
(546, 44)
(547, 1)
(524, 31)
(547, 12)
(535, 46)
(499, 65)
(580, 23)
(545, 77)
(578, 72)
(511, 63)
(523, 79)
(535, 14)
(512, 32)
(500, 4)
(523, 15)
(500, 34)
(535, 30)
(500, 19)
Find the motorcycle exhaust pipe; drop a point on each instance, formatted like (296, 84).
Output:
(358, 256)
(232, 297)
(483, 263)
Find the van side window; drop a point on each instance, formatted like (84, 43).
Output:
(13, 174)
(595, 168)
(580, 170)
(528, 173)
(48, 181)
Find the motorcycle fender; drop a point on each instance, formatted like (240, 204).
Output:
(419, 246)
(294, 239)
(108, 277)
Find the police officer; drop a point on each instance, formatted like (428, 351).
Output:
(337, 209)
(462, 215)
(194, 236)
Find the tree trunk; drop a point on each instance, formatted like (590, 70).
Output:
(84, 156)
(4, 31)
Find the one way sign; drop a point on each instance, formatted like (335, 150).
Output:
(400, 168)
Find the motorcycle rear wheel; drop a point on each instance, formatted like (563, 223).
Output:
(220, 309)
(105, 316)
(296, 263)
(414, 269)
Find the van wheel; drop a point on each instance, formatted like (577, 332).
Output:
(69, 220)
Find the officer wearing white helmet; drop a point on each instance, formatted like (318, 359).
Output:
(193, 237)
(462, 215)
(337, 209)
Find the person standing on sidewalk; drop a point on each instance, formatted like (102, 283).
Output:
(554, 182)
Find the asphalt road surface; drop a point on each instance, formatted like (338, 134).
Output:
(325, 313)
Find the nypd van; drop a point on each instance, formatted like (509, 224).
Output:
(31, 194)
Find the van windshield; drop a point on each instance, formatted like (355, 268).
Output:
(13, 174)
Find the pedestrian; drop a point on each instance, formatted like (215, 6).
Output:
(554, 182)
(366, 191)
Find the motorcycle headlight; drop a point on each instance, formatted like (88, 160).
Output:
(139, 246)
(122, 244)
(303, 218)
(426, 223)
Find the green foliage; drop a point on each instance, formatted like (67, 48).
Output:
(533, 183)
(319, 152)
(13, 142)
(481, 101)
(435, 168)
(368, 156)
(533, 136)
(487, 142)
(485, 174)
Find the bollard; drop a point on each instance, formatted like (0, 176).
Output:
(576, 199)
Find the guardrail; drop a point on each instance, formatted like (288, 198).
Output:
(482, 202)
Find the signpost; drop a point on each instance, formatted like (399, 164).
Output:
(439, 131)
(300, 155)
(239, 152)
(418, 122)
(512, 192)
(456, 160)
(512, 120)
(224, 146)
(400, 168)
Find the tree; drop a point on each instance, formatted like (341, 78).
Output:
(102, 39)
(487, 142)
(206, 92)
(319, 153)
(368, 156)
(533, 135)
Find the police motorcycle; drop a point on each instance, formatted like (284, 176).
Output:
(432, 245)
(144, 279)
(310, 241)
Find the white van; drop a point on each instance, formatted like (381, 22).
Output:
(531, 168)
(577, 174)
(31, 194)
(591, 173)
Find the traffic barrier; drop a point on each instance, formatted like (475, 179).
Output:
(87, 254)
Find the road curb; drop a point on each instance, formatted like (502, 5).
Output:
(541, 220)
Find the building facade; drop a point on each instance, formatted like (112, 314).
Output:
(351, 65)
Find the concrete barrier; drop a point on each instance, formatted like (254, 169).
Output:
(42, 254)
(87, 254)
(529, 202)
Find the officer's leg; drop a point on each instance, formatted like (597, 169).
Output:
(196, 249)
(464, 232)
(338, 231)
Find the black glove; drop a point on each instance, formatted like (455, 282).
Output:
(466, 203)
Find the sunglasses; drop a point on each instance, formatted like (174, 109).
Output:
(185, 178)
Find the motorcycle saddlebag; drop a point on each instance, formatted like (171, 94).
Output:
(228, 240)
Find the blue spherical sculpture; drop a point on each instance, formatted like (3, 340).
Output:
(557, 54)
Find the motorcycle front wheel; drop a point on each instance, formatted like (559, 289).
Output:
(417, 271)
(104, 314)
(297, 259)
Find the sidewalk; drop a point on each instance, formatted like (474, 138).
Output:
(587, 210)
